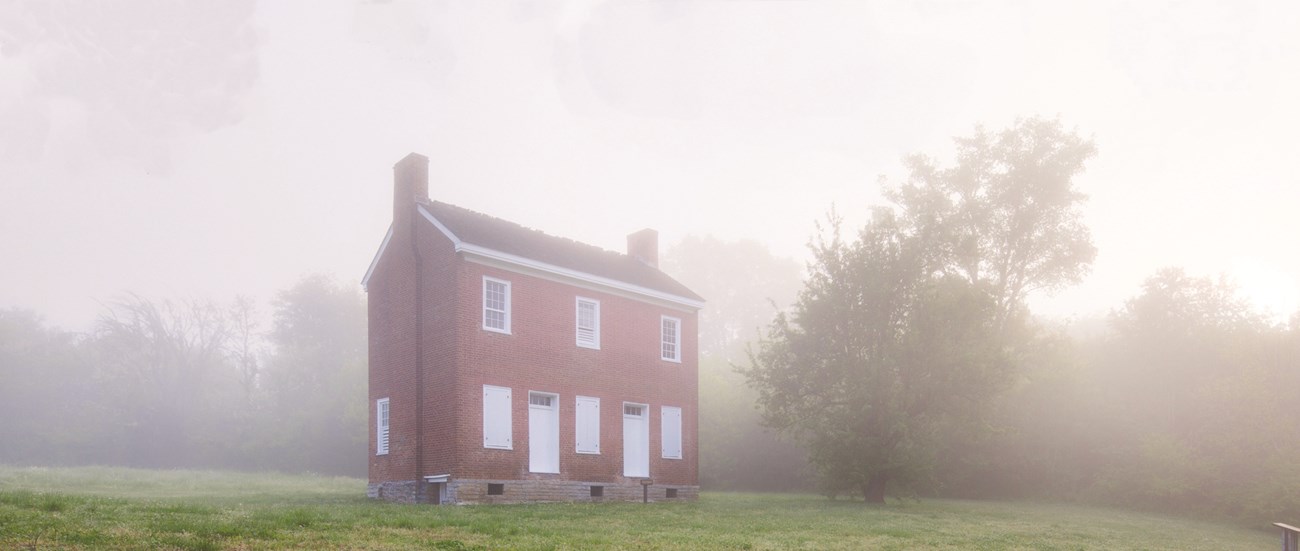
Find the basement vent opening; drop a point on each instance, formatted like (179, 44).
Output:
(670, 493)
(597, 491)
(496, 489)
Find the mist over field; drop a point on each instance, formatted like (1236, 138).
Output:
(1066, 232)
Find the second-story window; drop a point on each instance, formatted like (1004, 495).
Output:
(588, 323)
(670, 339)
(496, 305)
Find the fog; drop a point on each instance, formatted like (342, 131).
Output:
(183, 151)
(193, 153)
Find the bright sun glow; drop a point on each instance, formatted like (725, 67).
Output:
(1271, 291)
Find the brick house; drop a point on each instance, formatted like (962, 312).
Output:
(508, 365)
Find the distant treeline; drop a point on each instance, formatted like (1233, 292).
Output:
(192, 384)
(1184, 400)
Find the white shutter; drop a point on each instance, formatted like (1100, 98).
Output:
(381, 429)
(496, 417)
(588, 425)
(672, 432)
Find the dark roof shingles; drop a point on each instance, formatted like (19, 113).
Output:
(511, 238)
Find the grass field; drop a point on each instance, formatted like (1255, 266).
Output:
(94, 508)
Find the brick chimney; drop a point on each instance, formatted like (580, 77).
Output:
(410, 184)
(644, 246)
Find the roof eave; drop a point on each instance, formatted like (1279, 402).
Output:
(528, 263)
(365, 280)
(600, 281)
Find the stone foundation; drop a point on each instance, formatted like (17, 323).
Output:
(469, 491)
(405, 491)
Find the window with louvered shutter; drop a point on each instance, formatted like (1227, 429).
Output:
(588, 323)
(381, 430)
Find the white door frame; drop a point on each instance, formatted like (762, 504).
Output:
(543, 432)
(636, 447)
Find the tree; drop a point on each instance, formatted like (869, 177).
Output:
(745, 285)
(1006, 216)
(48, 409)
(316, 378)
(163, 367)
(1201, 373)
(874, 361)
(904, 337)
(244, 348)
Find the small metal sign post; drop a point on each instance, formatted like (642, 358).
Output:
(645, 489)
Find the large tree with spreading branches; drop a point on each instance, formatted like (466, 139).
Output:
(906, 334)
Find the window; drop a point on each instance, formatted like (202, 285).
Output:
(670, 493)
(670, 339)
(496, 305)
(496, 418)
(588, 323)
(672, 432)
(597, 491)
(496, 489)
(587, 430)
(381, 421)
(633, 410)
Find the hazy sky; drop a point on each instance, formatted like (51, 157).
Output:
(208, 149)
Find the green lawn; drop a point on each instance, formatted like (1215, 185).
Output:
(96, 507)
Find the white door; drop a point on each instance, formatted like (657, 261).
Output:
(636, 440)
(543, 433)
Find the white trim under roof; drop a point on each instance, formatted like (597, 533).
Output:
(444, 229)
(382, 246)
(491, 254)
(534, 265)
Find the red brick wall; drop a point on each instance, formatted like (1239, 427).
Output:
(391, 294)
(541, 355)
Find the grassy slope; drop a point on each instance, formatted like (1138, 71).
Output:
(124, 508)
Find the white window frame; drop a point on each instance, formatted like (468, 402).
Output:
(508, 428)
(664, 424)
(577, 323)
(592, 448)
(505, 312)
(383, 414)
(677, 339)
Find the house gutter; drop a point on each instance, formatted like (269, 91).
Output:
(419, 353)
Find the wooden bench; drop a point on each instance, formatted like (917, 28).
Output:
(1290, 537)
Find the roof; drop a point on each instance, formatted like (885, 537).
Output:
(495, 235)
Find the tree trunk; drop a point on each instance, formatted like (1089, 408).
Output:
(874, 491)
